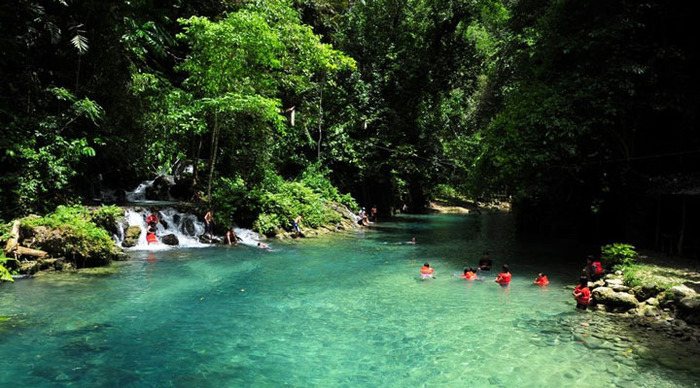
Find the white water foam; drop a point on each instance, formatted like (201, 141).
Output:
(185, 226)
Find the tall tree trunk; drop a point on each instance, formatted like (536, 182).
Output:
(214, 151)
(320, 122)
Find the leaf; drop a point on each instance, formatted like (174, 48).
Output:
(80, 42)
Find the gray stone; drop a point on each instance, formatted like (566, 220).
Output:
(614, 282)
(131, 236)
(680, 292)
(170, 239)
(617, 301)
(688, 309)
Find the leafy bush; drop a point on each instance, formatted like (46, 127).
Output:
(5, 275)
(69, 232)
(275, 203)
(618, 254)
(107, 217)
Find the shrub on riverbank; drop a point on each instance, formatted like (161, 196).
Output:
(275, 203)
(618, 254)
(5, 275)
(69, 232)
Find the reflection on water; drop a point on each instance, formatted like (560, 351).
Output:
(347, 310)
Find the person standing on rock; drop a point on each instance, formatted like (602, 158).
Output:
(295, 224)
(209, 224)
(582, 294)
(593, 270)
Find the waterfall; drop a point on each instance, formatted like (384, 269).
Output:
(139, 194)
(185, 226)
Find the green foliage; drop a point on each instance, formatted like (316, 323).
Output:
(81, 240)
(618, 254)
(283, 201)
(5, 275)
(106, 217)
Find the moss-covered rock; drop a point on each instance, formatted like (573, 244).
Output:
(131, 236)
(69, 233)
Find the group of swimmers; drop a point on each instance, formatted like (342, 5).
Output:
(582, 293)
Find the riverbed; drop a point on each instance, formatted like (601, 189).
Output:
(343, 310)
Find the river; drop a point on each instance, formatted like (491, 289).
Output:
(343, 310)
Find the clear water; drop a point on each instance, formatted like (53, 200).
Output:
(347, 310)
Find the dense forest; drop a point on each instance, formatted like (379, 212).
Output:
(583, 113)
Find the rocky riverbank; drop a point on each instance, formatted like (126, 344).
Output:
(665, 300)
(81, 237)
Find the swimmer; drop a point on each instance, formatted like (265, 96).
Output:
(582, 294)
(469, 274)
(426, 272)
(262, 245)
(541, 279)
(503, 278)
(485, 263)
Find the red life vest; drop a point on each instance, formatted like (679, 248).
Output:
(503, 278)
(152, 218)
(582, 295)
(151, 238)
(426, 270)
(542, 281)
(469, 275)
(597, 267)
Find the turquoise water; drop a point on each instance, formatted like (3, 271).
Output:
(346, 310)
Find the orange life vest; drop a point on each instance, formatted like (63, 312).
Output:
(503, 278)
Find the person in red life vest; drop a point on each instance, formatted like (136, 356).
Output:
(593, 270)
(152, 222)
(426, 272)
(541, 279)
(503, 278)
(582, 294)
(469, 274)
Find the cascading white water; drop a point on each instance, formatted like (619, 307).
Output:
(139, 194)
(185, 226)
(247, 236)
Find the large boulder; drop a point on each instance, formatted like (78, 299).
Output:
(688, 309)
(170, 239)
(131, 236)
(160, 189)
(647, 291)
(615, 301)
(680, 292)
(601, 294)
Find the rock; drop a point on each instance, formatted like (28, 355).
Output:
(204, 239)
(649, 311)
(614, 282)
(160, 189)
(680, 292)
(647, 291)
(652, 302)
(131, 236)
(596, 284)
(617, 301)
(170, 239)
(620, 288)
(601, 294)
(688, 309)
